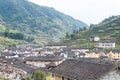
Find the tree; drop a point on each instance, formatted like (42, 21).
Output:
(84, 28)
(14, 35)
(29, 39)
(118, 39)
(92, 26)
(39, 75)
(27, 78)
(67, 35)
(6, 33)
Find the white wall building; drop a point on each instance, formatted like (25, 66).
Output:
(94, 38)
(106, 44)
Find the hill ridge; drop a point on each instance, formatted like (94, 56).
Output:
(36, 21)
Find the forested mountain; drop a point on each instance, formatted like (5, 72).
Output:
(40, 23)
(107, 29)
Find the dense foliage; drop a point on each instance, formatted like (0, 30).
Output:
(27, 78)
(3, 79)
(107, 29)
(39, 75)
(12, 35)
(44, 23)
(17, 35)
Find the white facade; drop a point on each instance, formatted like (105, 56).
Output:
(106, 44)
(42, 63)
(94, 38)
(80, 50)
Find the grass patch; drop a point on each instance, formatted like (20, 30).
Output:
(117, 47)
(4, 79)
(48, 77)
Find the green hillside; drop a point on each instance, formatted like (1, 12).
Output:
(107, 29)
(44, 24)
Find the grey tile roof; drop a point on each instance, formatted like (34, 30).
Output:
(43, 58)
(79, 47)
(107, 41)
(20, 65)
(81, 70)
(116, 51)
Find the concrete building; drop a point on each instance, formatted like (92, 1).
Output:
(94, 38)
(106, 44)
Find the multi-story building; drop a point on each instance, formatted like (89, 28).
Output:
(114, 55)
(106, 44)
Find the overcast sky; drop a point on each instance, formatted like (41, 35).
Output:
(88, 11)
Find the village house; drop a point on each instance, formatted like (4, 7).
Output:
(74, 52)
(94, 38)
(70, 55)
(31, 47)
(10, 50)
(114, 55)
(15, 69)
(96, 53)
(49, 51)
(23, 69)
(42, 61)
(73, 69)
(82, 54)
(9, 55)
(92, 54)
(55, 46)
(34, 48)
(106, 44)
(95, 60)
(79, 49)
(65, 50)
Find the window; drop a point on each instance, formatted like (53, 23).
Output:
(52, 75)
(62, 78)
(68, 79)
